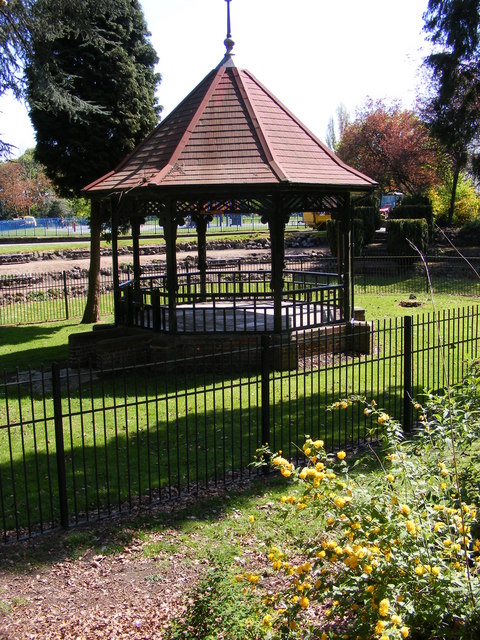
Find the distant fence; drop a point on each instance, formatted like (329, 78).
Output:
(66, 226)
(60, 296)
(79, 445)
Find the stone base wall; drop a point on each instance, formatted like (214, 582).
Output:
(109, 347)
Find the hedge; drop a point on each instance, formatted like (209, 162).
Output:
(399, 232)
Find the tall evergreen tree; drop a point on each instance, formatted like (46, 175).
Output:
(452, 110)
(20, 26)
(116, 76)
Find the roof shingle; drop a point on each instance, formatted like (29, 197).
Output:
(230, 129)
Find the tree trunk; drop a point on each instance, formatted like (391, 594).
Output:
(451, 207)
(92, 308)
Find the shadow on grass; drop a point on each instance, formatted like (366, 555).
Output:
(21, 346)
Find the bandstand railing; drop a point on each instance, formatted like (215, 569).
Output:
(231, 301)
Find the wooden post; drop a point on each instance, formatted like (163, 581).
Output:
(346, 226)
(170, 224)
(115, 274)
(201, 222)
(136, 222)
(277, 220)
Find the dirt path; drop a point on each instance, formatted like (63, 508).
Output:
(56, 264)
(120, 595)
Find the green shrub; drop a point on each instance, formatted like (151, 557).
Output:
(400, 232)
(414, 212)
(358, 231)
(371, 219)
(398, 557)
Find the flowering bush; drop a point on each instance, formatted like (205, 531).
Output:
(398, 557)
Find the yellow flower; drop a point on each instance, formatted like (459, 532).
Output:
(396, 620)
(370, 588)
(419, 570)
(380, 626)
(339, 502)
(251, 519)
(341, 455)
(304, 602)
(390, 478)
(405, 509)
(436, 571)
(267, 620)
(318, 444)
(404, 631)
(411, 527)
(383, 607)
(286, 473)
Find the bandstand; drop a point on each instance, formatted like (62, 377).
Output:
(230, 147)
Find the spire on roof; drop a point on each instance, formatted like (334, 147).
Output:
(228, 42)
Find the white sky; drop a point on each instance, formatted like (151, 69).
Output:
(311, 54)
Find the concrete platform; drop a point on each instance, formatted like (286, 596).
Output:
(222, 316)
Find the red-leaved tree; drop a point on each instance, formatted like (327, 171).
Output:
(392, 146)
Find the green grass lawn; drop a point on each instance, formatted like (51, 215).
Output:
(34, 345)
(388, 305)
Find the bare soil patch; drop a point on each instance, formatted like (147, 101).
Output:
(116, 595)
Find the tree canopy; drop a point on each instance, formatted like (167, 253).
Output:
(23, 22)
(452, 109)
(24, 187)
(392, 146)
(116, 74)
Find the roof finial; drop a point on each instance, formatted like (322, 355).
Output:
(228, 42)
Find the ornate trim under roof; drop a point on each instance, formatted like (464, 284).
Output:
(230, 131)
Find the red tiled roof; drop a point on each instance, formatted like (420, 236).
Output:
(230, 130)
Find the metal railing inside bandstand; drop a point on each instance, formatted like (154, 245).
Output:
(229, 300)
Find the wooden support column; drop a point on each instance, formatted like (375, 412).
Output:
(136, 222)
(115, 274)
(346, 243)
(201, 222)
(170, 224)
(277, 220)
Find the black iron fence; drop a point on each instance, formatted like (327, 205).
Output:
(77, 445)
(59, 296)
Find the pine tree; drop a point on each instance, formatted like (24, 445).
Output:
(116, 76)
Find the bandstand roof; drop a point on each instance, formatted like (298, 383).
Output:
(230, 131)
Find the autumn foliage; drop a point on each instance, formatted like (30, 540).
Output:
(22, 189)
(392, 146)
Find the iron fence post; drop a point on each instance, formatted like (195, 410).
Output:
(59, 445)
(266, 344)
(407, 374)
(65, 294)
